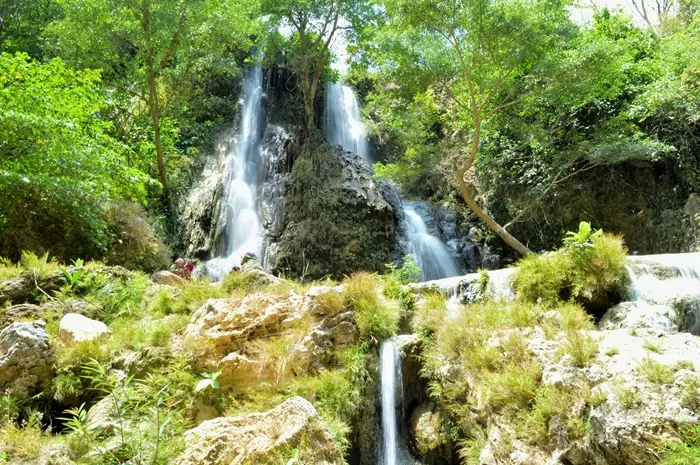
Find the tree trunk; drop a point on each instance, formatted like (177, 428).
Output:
(490, 222)
(154, 106)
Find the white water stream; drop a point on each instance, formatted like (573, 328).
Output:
(341, 120)
(242, 224)
(432, 255)
(392, 450)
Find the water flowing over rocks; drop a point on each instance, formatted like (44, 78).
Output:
(25, 358)
(263, 438)
(236, 336)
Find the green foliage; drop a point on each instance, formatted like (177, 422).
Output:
(60, 164)
(375, 317)
(684, 452)
(134, 242)
(590, 267)
(148, 417)
(208, 381)
(627, 396)
(398, 277)
(581, 346)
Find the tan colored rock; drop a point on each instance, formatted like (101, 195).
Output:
(244, 337)
(263, 438)
(75, 328)
(428, 430)
(166, 278)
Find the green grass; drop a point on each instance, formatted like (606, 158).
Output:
(612, 351)
(655, 372)
(376, 317)
(513, 386)
(429, 314)
(9, 270)
(651, 346)
(581, 346)
(627, 396)
(683, 452)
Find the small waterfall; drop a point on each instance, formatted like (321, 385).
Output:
(392, 450)
(664, 290)
(341, 120)
(432, 256)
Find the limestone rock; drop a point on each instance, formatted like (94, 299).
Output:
(260, 438)
(139, 364)
(19, 312)
(23, 288)
(25, 358)
(100, 416)
(75, 328)
(429, 432)
(166, 278)
(237, 336)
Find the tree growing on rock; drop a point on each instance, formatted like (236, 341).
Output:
(486, 57)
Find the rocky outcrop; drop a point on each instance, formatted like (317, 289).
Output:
(28, 287)
(139, 364)
(75, 328)
(263, 438)
(25, 358)
(430, 433)
(199, 213)
(267, 337)
(337, 220)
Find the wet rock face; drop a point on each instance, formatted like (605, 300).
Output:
(267, 338)
(275, 152)
(337, 220)
(199, 218)
(25, 358)
(263, 438)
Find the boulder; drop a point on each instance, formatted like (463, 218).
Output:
(75, 328)
(19, 312)
(25, 358)
(166, 278)
(243, 337)
(139, 364)
(429, 432)
(100, 417)
(263, 438)
(337, 220)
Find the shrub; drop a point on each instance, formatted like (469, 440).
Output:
(651, 346)
(134, 242)
(375, 318)
(590, 267)
(542, 278)
(9, 270)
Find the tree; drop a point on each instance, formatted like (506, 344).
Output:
(21, 24)
(57, 164)
(316, 24)
(487, 57)
(146, 47)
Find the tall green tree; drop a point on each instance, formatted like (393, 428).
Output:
(146, 47)
(486, 57)
(315, 24)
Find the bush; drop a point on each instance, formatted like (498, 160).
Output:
(589, 268)
(581, 346)
(375, 317)
(655, 372)
(134, 242)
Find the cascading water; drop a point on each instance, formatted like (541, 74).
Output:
(392, 451)
(242, 224)
(341, 120)
(432, 256)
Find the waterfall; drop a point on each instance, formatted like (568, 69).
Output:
(432, 256)
(392, 450)
(343, 126)
(341, 120)
(242, 224)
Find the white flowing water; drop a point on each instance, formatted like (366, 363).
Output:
(432, 255)
(243, 225)
(650, 283)
(341, 120)
(392, 451)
